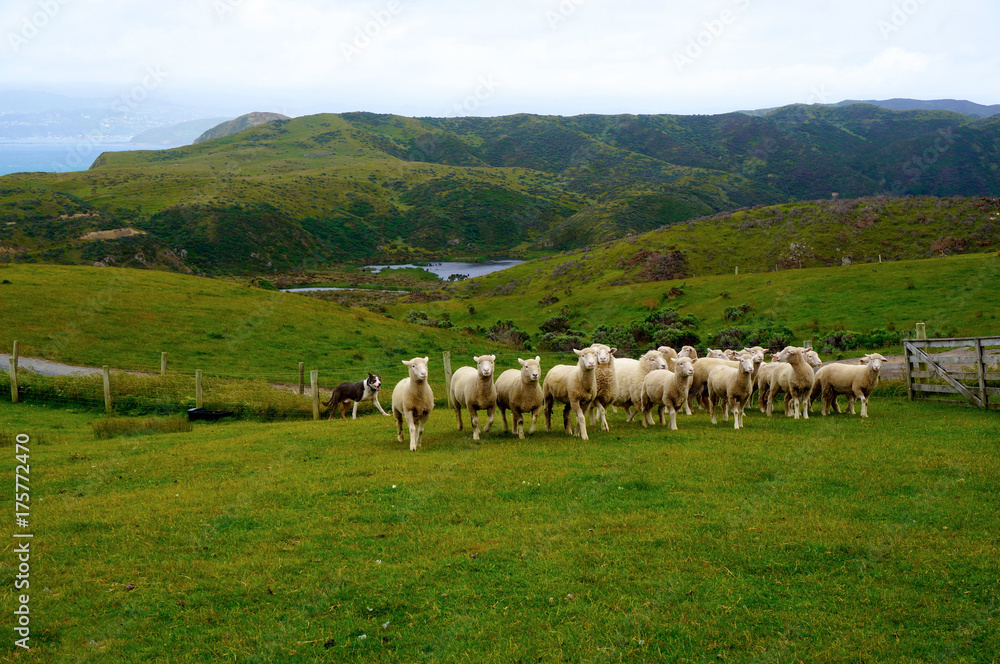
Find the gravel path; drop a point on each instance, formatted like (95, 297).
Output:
(46, 368)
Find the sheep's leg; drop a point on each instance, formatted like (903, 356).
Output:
(803, 405)
(566, 426)
(581, 419)
(458, 413)
(660, 413)
(516, 421)
(489, 419)
(711, 410)
(411, 422)
(399, 424)
(630, 414)
(548, 413)
(420, 429)
(603, 412)
(725, 413)
(850, 403)
(474, 419)
(673, 418)
(864, 402)
(503, 418)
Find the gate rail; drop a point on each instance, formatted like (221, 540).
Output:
(963, 371)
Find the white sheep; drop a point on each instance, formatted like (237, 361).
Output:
(574, 385)
(519, 392)
(473, 388)
(856, 381)
(665, 388)
(793, 376)
(670, 355)
(629, 376)
(413, 399)
(735, 385)
(605, 385)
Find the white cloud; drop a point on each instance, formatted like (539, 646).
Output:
(565, 56)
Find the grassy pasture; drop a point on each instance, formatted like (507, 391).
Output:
(831, 539)
(955, 295)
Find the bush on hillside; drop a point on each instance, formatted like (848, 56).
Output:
(772, 336)
(508, 334)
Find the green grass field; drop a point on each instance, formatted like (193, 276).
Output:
(828, 540)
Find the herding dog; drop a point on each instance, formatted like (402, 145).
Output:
(363, 390)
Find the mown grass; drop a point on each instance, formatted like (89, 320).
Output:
(830, 539)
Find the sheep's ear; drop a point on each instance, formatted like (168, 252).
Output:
(426, 360)
(538, 358)
(406, 362)
(521, 362)
(614, 350)
(578, 352)
(475, 358)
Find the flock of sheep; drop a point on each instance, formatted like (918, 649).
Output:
(662, 378)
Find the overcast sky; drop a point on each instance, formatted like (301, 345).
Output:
(451, 57)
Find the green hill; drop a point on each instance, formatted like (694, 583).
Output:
(355, 186)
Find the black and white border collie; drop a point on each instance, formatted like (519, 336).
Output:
(363, 390)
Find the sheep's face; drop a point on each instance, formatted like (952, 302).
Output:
(588, 358)
(604, 354)
(688, 351)
(653, 359)
(667, 351)
(812, 359)
(874, 360)
(418, 368)
(531, 370)
(485, 365)
(787, 354)
(712, 353)
(684, 367)
(746, 363)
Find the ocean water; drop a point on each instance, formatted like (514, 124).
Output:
(61, 157)
(445, 269)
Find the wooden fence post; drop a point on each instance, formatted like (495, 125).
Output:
(808, 344)
(921, 335)
(302, 377)
(446, 359)
(14, 393)
(107, 388)
(909, 370)
(314, 380)
(981, 370)
(197, 388)
(163, 363)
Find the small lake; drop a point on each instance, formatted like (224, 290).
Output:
(444, 270)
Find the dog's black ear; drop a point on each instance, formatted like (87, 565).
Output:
(371, 375)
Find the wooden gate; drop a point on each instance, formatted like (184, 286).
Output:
(963, 369)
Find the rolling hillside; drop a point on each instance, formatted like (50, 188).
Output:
(356, 186)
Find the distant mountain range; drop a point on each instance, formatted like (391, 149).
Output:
(955, 105)
(365, 186)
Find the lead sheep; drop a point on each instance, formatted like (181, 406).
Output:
(735, 385)
(665, 388)
(856, 381)
(573, 385)
(413, 400)
(519, 392)
(473, 388)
